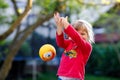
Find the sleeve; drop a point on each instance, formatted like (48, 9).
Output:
(61, 42)
(75, 36)
(85, 46)
(88, 53)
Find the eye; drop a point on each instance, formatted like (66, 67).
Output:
(47, 55)
(82, 33)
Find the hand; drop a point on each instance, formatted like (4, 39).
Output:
(64, 22)
(61, 21)
(58, 20)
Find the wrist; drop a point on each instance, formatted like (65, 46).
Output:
(66, 25)
(59, 31)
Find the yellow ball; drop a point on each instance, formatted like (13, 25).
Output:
(47, 52)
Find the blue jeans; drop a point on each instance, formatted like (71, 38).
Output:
(59, 79)
(67, 79)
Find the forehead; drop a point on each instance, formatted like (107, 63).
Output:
(82, 30)
(80, 26)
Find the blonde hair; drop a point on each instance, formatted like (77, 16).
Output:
(82, 24)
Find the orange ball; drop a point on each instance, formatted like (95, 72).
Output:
(47, 52)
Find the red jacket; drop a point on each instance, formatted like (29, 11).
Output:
(75, 56)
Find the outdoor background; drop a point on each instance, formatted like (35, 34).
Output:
(26, 25)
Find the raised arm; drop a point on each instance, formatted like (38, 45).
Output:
(61, 42)
(73, 34)
(59, 26)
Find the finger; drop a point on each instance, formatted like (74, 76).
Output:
(66, 17)
(57, 14)
(63, 19)
(56, 17)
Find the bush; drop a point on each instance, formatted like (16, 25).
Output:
(104, 60)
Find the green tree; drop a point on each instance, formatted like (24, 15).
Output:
(14, 47)
(48, 8)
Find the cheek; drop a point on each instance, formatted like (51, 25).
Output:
(84, 37)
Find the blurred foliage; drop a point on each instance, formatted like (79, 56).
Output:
(2, 18)
(45, 5)
(110, 20)
(4, 48)
(48, 6)
(70, 6)
(115, 9)
(93, 77)
(5, 18)
(104, 61)
(3, 4)
(2, 43)
(25, 50)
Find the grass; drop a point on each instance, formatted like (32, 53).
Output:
(93, 77)
(52, 76)
(45, 76)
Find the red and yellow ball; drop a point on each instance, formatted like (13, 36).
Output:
(47, 52)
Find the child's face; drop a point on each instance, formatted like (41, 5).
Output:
(83, 33)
